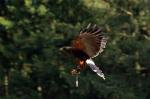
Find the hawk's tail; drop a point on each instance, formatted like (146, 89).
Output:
(92, 65)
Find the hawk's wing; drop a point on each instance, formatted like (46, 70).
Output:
(90, 40)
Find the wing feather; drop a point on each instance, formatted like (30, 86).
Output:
(91, 40)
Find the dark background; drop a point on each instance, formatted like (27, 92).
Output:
(32, 31)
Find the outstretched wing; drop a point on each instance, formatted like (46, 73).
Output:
(92, 65)
(90, 40)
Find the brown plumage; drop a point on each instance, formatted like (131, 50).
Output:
(90, 40)
(87, 45)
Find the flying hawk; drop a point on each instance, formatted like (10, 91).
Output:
(88, 44)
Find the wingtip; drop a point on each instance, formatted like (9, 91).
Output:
(88, 26)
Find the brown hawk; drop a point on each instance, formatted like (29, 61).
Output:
(87, 45)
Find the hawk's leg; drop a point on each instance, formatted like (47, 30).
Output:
(75, 71)
(81, 66)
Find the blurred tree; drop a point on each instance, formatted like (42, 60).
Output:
(32, 31)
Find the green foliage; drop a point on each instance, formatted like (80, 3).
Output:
(32, 31)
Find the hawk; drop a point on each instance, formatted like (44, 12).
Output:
(88, 44)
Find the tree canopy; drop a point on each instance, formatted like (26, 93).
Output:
(32, 31)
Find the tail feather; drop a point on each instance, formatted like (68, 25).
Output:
(92, 65)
